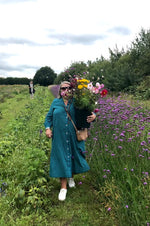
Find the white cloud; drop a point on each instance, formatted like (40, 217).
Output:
(38, 33)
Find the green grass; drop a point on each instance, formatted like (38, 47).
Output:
(30, 197)
(12, 99)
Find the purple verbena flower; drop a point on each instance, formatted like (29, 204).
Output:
(80, 182)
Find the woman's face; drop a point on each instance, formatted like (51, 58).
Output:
(65, 90)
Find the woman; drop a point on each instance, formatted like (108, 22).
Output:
(67, 154)
(31, 89)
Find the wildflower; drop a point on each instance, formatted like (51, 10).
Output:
(132, 170)
(127, 206)
(85, 94)
(96, 110)
(63, 93)
(80, 86)
(109, 209)
(120, 147)
(145, 183)
(104, 92)
(143, 143)
(105, 176)
(80, 182)
(90, 86)
(122, 134)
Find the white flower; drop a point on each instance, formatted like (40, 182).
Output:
(90, 86)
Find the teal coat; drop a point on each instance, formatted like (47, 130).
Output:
(67, 154)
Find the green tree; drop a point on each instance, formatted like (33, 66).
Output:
(44, 76)
(74, 69)
(140, 53)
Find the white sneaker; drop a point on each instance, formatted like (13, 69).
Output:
(62, 194)
(71, 183)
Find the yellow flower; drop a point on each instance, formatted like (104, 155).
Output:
(85, 85)
(80, 86)
(83, 81)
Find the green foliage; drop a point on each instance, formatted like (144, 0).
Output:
(124, 70)
(140, 53)
(30, 197)
(44, 76)
(74, 69)
(85, 100)
(143, 90)
(24, 152)
(14, 81)
(118, 153)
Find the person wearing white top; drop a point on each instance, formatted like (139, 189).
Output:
(31, 89)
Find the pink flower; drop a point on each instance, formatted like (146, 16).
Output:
(96, 90)
(102, 86)
(96, 110)
(98, 86)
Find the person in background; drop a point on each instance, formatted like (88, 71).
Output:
(68, 154)
(31, 89)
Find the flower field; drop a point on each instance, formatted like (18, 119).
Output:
(116, 191)
(119, 156)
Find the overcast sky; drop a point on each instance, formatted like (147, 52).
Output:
(56, 33)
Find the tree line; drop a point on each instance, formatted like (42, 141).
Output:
(127, 71)
(14, 81)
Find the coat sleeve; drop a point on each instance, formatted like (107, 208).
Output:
(49, 117)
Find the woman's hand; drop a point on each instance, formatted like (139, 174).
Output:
(91, 118)
(48, 133)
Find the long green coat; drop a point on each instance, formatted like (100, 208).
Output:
(67, 154)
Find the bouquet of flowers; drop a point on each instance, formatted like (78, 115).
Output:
(86, 96)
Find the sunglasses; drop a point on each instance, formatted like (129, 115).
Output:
(64, 88)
